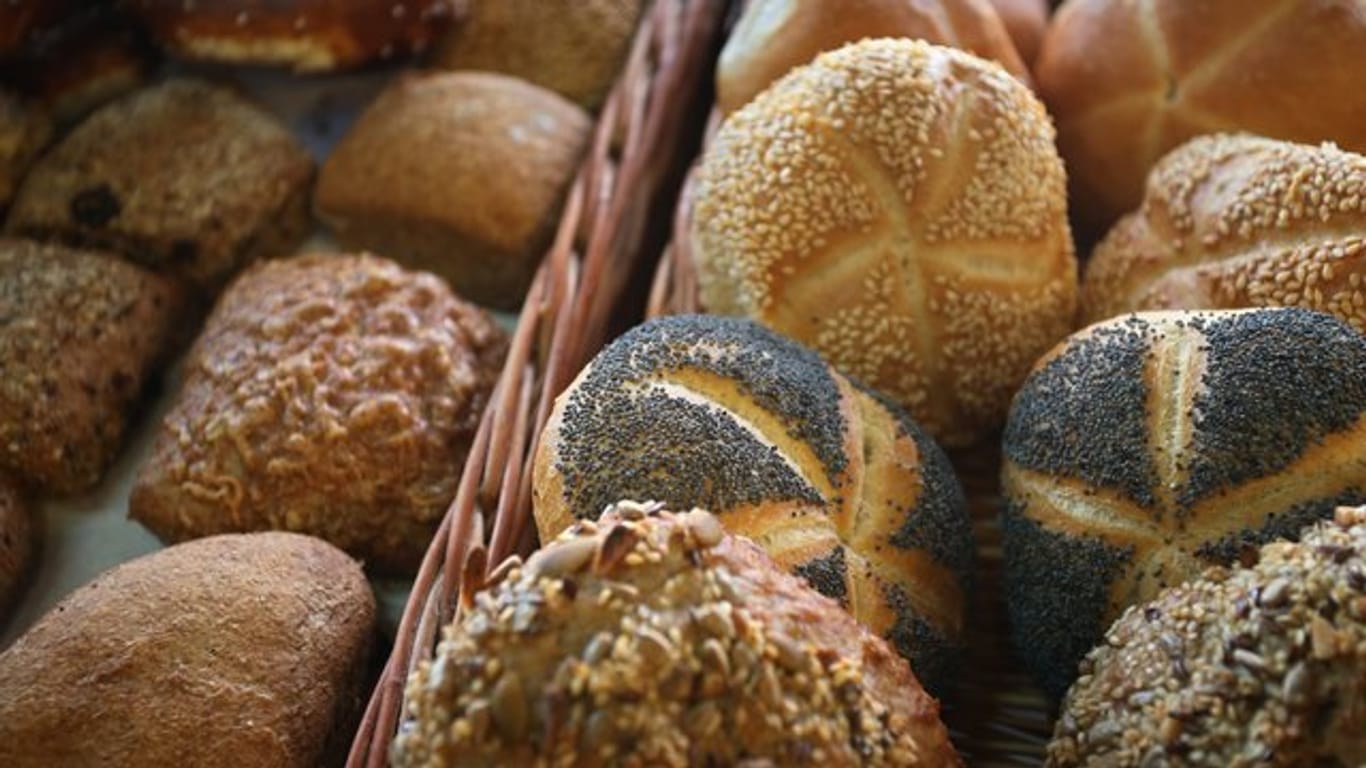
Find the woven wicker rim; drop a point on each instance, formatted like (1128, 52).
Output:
(563, 322)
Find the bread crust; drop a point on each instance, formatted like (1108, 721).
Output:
(331, 394)
(1026, 21)
(653, 639)
(24, 132)
(458, 173)
(16, 543)
(1234, 221)
(229, 651)
(109, 323)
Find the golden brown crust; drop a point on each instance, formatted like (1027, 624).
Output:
(1239, 221)
(572, 47)
(81, 333)
(185, 177)
(1268, 661)
(1026, 21)
(235, 650)
(335, 395)
(775, 36)
(1127, 82)
(927, 256)
(652, 639)
(461, 174)
(24, 131)
(16, 543)
(307, 35)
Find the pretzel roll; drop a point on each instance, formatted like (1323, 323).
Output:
(837, 486)
(1129, 81)
(926, 255)
(773, 36)
(1240, 221)
(1146, 448)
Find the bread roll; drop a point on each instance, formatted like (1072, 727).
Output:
(1129, 81)
(231, 651)
(1260, 666)
(774, 36)
(1026, 21)
(185, 177)
(572, 47)
(836, 485)
(1146, 448)
(24, 131)
(461, 174)
(16, 543)
(81, 334)
(332, 395)
(653, 639)
(306, 35)
(927, 256)
(1239, 221)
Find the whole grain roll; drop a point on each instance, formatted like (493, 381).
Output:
(1146, 448)
(774, 36)
(458, 173)
(573, 47)
(927, 255)
(329, 394)
(229, 651)
(1258, 666)
(16, 543)
(1129, 81)
(1239, 221)
(836, 485)
(653, 639)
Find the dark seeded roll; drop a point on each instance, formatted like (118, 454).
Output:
(653, 639)
(1262, 666)
(1146, 448)
(837, 485)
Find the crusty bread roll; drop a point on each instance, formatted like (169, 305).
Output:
(16, 543)
(1267, 661)
(185, 177)
(24, 131)
(572, 47)
(1026, 21)
(836, 485)
(653, 639)
(81, 333)
(230, 651)
(458, 173)
(1239, 221)
(927, 256)
(1129, 81)
(1148, 447)
(307, 35)
(774, 36)
(332, 395)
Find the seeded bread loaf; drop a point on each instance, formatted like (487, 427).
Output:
(1239, 221)
(1256, 666)
(229, 651)
(186, 178)
(329, 394)
(81, 334)
(835, 484)
(652, 639)
(16, 543)
(1146, 448)
(927, 256)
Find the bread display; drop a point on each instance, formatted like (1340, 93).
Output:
(774, 36)
(16, 543)
(836, 485)
(185, 177)
(1026, 21)
(332, 395)
(81, 334)
(1148, 447)
(24, 131)
(305, 35)
(1239, 221)
(231, 651)
(461, 174)
(1258, 666)
(572, 47)
(653, 639)
(928, 256)
(1127, 81)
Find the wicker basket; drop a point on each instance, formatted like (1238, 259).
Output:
(564, 321)
(996, 715)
